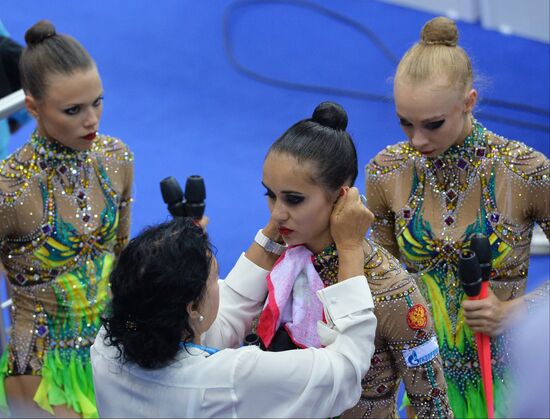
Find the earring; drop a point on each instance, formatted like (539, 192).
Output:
(201, 318)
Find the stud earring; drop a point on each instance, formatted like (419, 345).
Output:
(201, 318)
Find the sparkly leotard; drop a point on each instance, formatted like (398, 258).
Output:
(427, 209)
(404, 330)
(64, 214)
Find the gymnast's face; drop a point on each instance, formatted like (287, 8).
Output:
(71, 108)
(433, 115)
(300, 207)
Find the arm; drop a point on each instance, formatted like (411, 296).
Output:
(349, 223)
(491, 316)
(313, 382)
(420, 365)
(124, 220)
(242, 294)
(383, 229)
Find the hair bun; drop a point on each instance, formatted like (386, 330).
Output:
(440, 31)
(39, 32)
(332, 115)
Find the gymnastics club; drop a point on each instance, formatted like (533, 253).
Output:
(471, 278)
(190, 204)
(479, 244)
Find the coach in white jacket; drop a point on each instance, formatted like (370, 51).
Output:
(149, 360)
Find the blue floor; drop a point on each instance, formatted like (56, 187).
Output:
(172, 94)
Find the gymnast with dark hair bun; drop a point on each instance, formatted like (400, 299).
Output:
(64, 214)
(305, 172)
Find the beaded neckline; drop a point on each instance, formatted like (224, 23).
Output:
(473, 147)
(53, 153)
(326, 264)
(452, 173)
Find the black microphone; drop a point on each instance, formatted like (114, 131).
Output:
(469, 272)
(195, 194)
(190, 205)
(480, 245)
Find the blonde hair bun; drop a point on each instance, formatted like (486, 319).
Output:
(440, 31)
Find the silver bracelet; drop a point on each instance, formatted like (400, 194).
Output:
(269, 245)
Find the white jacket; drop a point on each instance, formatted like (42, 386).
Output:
(248, 382)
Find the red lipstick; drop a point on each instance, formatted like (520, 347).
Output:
(91, 136)
(285, 231)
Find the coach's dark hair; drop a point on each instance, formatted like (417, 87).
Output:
(323, 141)
(47, 53)
(157, 275)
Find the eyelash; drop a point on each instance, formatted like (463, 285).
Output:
(434, 125)
(75, 109)
(290, 199)
(431, 125)
(294, 200)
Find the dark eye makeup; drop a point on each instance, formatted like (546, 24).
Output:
(430, 125)
(98, 101)
(290, 198)
(294, 199)
(404, 122)
(434, 125)
(73, 110)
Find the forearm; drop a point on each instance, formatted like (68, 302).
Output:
(350, 263)
(315, 382)
(427, 390)
(257, 255)
(260, 256)
(124, 220)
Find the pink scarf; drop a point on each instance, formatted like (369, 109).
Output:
(292, 301)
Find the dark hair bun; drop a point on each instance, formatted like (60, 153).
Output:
(440, 31)
(332, 115)
(38, 32)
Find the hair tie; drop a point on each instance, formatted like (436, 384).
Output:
(131, 326)
(447, 43)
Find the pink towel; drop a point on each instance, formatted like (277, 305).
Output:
(292, 300)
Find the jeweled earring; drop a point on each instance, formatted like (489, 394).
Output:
(201, 318)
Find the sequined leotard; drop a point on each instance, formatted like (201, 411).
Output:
(405, 343)
(427, 208)
(64, 214)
